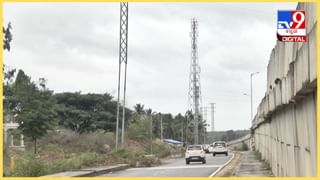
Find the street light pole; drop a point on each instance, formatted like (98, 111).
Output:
(151, 133)
(251, 75)
(161, 128)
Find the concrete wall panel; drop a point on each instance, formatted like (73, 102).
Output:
(285, 123)
(301, 69)
(312, 40)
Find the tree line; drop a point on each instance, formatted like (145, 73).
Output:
(38, 110)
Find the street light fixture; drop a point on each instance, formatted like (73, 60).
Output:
(251, 75)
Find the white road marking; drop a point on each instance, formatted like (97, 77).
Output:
(215, 172)
(176, 167)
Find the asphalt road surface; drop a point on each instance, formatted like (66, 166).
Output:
(176, 168)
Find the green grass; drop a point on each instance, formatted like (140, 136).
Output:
(31, 165)
(258, 155)
(227, 174)
(68, 151)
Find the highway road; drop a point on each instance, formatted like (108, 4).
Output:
(176, 168)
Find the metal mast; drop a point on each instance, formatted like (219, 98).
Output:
(194, 80)
(123, 52)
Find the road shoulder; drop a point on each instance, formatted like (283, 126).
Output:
(228, 169)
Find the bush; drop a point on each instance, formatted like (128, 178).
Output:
(31, 166)
(161, 150)
(72, 142)
(244, 147)
(258, 155)
(139, 128)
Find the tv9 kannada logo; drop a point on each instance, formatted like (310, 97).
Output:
(291, 26)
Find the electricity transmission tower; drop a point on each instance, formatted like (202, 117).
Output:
(123, 52)
(194, 94)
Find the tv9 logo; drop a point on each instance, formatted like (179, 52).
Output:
(291, 26)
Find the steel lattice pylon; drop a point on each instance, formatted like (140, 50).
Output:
(194, 94)
(123, 53)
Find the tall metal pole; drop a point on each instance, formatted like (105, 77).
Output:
(187, 127)
(124, 107)
(123, 52)
(161, 128)
(251, 75)
(124, 22)
(151, 133)
(212, 116)
(118, 106)
(251, 96)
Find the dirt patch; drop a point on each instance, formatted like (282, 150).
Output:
(228, 170)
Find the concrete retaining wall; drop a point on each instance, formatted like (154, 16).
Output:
(247, 139)
(284, 128)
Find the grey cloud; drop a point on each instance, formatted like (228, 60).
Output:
(75, 46)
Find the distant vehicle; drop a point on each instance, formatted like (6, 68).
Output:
(210, 148)
(219, 147)
(195, 153)
(206, 148)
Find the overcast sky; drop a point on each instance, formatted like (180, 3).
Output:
(75, 46)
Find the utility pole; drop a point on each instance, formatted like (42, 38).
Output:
(204, 118)
(123, 52)
(194, 93)
(187, 128)
(150, 133)
(181, 138)
(251, 75)
(161, 128)
(212, 116)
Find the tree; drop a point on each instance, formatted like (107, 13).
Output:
(138, 128)
(179, 126)
(34, 108)
(87, 112)
(139, 109)
(149, 111)
(8, 98)
(7, 38)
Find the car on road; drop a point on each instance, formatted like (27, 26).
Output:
(219, 147)
(206, 148)
(210, 148)
(195, 153)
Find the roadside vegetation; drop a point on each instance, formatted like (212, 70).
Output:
(265, 164)
(242, 147)
(72, 130)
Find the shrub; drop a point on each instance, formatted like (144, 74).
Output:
(258, 155)
(72, 142)
(31, 166)
(161, 150)
(244, 147)
(139, 128)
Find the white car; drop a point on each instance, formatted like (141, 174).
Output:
(219, 147)
(210, 149)
(195, 153)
